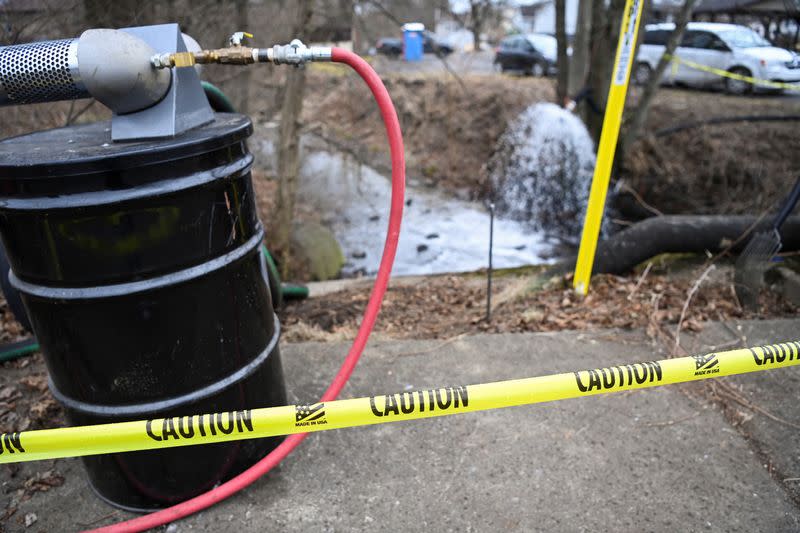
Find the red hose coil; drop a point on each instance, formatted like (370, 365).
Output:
(274, 458)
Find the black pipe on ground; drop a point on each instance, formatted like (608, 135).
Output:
(678, 234)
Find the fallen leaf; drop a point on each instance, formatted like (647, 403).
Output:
(9, 393)
(37, 382)
(42, 482)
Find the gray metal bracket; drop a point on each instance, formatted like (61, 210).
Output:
(185, 105)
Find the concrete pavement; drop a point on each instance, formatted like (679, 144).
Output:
(655, 460)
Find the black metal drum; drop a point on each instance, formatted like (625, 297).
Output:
(140, 268)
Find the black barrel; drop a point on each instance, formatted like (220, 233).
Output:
(140, 267)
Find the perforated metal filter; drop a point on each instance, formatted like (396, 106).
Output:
(40, 72)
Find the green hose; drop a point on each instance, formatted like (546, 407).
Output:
(288, 291)
(217, 99)
(15, 350)
(291, 291)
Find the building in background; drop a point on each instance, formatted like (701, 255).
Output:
(540, 17)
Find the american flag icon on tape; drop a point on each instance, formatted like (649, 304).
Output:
(706, 361)
(307, 413)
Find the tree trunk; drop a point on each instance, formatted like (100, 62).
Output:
(605, 34)
(676, 234)
(476, 37)
(578, 65)
(476, 28)
(476, 13)
(562, 59)
(634, 125)
(289, 150)
(681, 234)
(243, 81)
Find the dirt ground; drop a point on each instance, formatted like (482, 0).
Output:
(715, 169)
(450, 132)
(443, 307)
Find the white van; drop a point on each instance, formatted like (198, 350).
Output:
(728, 47)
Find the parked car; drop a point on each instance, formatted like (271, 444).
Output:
(389, 46)
(534, 54)
(728, 47)
(432, 45)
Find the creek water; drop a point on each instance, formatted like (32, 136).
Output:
(439, 233)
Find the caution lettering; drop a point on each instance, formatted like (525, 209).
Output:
(776, 353)
(420, 401)
(616, 377)
(187, 427)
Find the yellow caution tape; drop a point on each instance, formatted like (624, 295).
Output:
(726, 74)
(428, 403)
(615, 104)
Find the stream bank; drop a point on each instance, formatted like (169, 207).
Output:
(440, 234)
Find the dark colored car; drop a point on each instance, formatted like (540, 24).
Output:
(534, 54)
(431, 45)
(389, 46)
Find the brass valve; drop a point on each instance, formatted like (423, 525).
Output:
(235, 54)
(294, 53)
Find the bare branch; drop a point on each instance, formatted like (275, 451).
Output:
(636, 123)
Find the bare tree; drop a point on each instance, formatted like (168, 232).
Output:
(562, 57)
(289, 147)
(606, 21)
(578, 63)
(245, 75)
(635, 124)
(482, 13)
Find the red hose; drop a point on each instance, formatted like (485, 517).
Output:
(266, 464)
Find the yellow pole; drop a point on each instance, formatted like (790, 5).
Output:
(626, 48)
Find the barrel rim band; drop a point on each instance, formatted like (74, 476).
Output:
(163, 405)
(125, 289)
(113, 503)
(233, 170)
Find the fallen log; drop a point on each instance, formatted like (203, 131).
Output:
(680, 234)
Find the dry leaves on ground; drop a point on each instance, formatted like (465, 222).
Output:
(442, 307)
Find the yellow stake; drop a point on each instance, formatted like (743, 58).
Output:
(626, 48)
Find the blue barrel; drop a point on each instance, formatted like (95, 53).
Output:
(413, 47)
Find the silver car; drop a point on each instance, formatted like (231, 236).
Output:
(728, 47)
